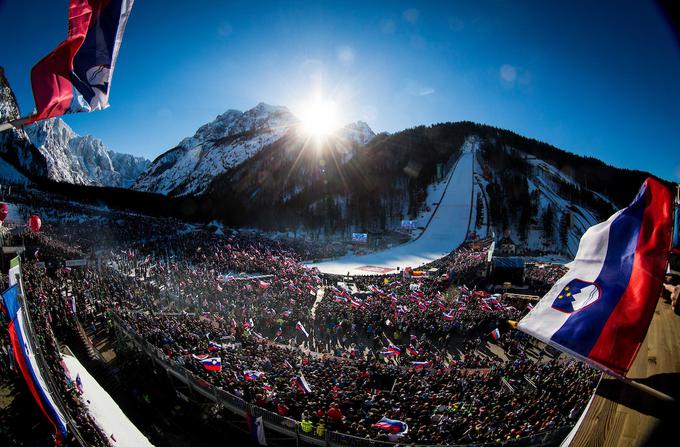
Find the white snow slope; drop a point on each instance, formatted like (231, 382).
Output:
(104, 409)
(446, 231)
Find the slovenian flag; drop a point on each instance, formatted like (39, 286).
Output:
(496, 334)
(420, 365)
(24, 356)
(199, 357)
(214, 346)
(76, 76)
(252, 375)
(600, 310)
(302, 384)
(300, 327)
(212, 364)
(394, 348)
(392, 426)
(356, 302)
(450, 316)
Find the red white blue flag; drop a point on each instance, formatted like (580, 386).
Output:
(301, 383)
(392, 426)
(496, 334)
(212, 363)
(601, 309)
(76, 75)
(25, 358)
(300, 327)
(252, 375)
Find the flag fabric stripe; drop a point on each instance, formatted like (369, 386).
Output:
(51, 76)
(23, 367)
(76, 75)
(55, 415)
(621, 334)
(676, 230)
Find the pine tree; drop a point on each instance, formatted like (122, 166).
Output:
(479, 220)
(565, 223)
(549, 224)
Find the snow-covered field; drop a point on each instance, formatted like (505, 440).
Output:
(446, 231)
(104, 409)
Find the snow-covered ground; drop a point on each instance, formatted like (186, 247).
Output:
(446, 231)
(104, 409)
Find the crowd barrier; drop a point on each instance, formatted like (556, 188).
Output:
(290, 427)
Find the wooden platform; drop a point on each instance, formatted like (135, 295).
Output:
(621, 415)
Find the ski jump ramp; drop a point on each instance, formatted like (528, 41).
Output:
(444, 233)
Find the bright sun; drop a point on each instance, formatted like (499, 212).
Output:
(319, 117)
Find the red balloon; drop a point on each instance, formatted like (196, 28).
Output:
(4, 211)
(34, 223)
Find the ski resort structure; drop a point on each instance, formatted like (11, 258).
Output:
(446, 230)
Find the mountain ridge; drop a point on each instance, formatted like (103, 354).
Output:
(224, 143)
(82, 159)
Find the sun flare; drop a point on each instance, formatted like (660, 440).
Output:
(319, 117)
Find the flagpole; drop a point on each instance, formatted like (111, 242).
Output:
(647, 389)
(17, 123)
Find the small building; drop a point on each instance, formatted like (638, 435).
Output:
(507, 246)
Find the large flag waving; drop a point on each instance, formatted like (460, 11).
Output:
(76, 76)
(22, 348)
(601, 309)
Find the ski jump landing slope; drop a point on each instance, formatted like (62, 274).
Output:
(445, 232)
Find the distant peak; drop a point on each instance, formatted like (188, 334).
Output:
(268, 108)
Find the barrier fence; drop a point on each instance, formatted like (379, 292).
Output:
(290, 427)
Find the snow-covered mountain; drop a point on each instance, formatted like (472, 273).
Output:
(16, 149)
(83, 160)
(225, 143)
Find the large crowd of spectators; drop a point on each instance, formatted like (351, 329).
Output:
(48, 316)
(414, 348)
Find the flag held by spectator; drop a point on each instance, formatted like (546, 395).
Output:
(600, 310)
(392, 426)
(76, 75)
(212, 363)
(252, 375)
(302, 384)
(496, 334)
(394, 348)
(214, 346)
(300, 327)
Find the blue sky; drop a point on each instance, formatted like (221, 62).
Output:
(591, 79)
